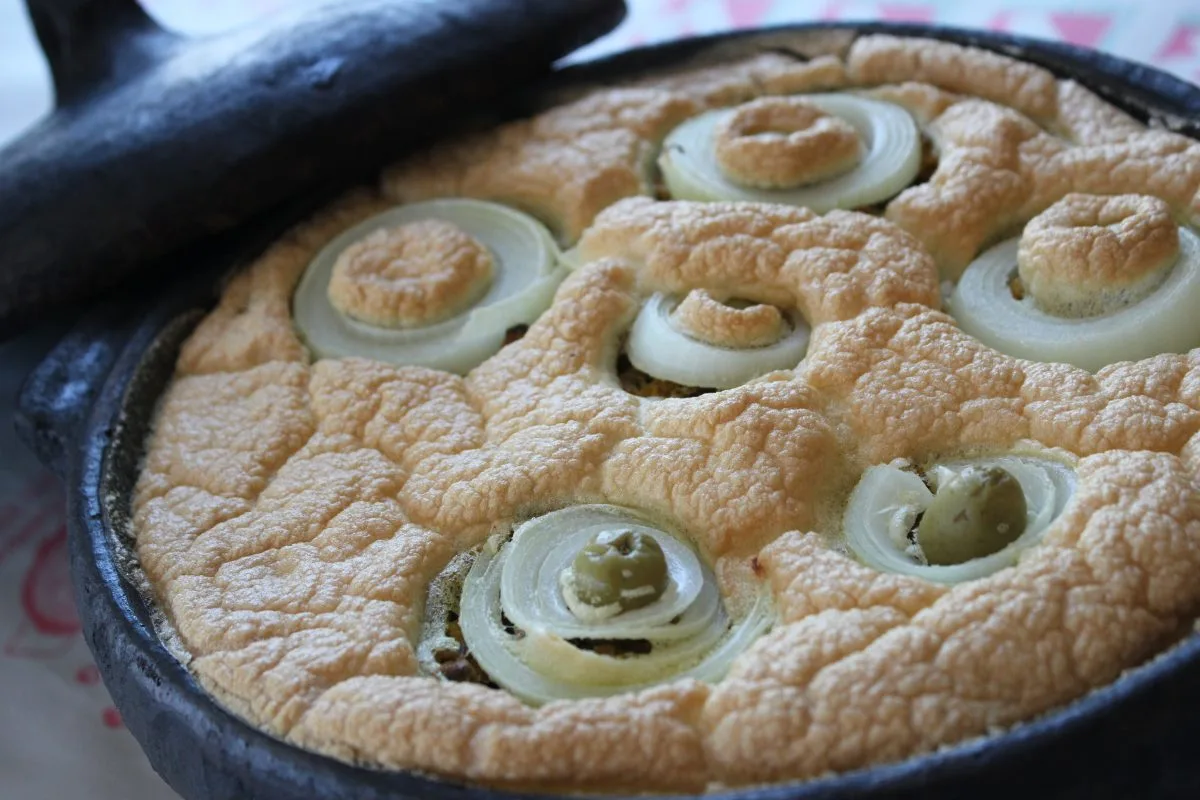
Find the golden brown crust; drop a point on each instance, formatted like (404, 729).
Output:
(562, 167)
(355, 474)
(778, 142)
(475, 733)
(763, 74)
(891, 59)
(829, 267)
(923, 101)
(705, 318)
(290, 515)
(569, 163)
(915, 385)
(881, 670)
(1086, 119)
(997, 170)
(997, 167)
(252, 323)
(1088, 253)
(410, 275)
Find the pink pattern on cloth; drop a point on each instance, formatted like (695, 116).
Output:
(1181, 43)
(50, 623)
(40, 497)
(832, 10)
(46, 593)
(747, 13)
(1082, 29)
(1001, 21)
(87, 676)
(111, 717)
(906, 13)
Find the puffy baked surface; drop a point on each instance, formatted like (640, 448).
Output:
(291, 514)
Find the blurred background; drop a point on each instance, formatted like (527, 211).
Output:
(59, 735)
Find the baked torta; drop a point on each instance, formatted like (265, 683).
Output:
(676, 438)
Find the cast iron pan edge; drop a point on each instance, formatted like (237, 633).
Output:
(1136, 737)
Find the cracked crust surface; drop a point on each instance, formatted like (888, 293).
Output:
(566, 165)
(1010, 139)
(290, 514)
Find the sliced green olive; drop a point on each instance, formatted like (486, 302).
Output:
(979, 511)
(622, 567)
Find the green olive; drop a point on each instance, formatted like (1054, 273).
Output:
(977, 512)
(624, 567)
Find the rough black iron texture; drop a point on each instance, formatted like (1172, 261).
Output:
(160, 141)
(1134, 738)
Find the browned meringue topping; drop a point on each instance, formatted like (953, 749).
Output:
(889, 59)
(780, 142)
(410, 275)
(1088, 253)
(568, 164)
(997, 169)
(703, 317)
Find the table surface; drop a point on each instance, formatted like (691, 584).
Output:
(60, 737)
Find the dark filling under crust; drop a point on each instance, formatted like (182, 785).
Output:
(443, 650)
(514, 333)
(614, 647)
(929, 161)
(453, 661)
(634, 381)
(1016, 287)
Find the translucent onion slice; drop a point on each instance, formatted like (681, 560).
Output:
(543, 667)
(542, 548)
(661, 350)
(558, 659)
(1165, 321)
(526, 275)
(891, 160)
(887, 494)
(902, 495)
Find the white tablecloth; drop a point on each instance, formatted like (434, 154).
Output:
(60, 737)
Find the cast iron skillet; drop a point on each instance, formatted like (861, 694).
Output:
(86, 411)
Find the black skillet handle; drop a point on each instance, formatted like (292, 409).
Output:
(57, 396)
(160, 141)
(89, 43)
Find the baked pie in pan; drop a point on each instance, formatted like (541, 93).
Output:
(732, 426)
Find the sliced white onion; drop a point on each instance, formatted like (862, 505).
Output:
(886, 496)
(1165, 321)
(540, 665)
(558, 659)
(891, 159)
(661, 350)
(526, 275)
(488, 642)
(709, 655)
(544, 546)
